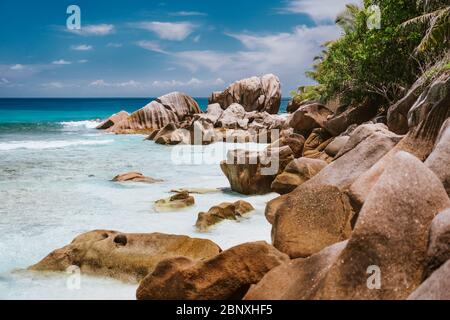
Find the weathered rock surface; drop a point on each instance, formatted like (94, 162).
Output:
(224, 277)
(134, 177)
(124, 256)
(296, 279)
(176, 202)
(311, 218)
(419, 141)
(309, 117)
(213, 113)
(255, 94)
(223, 211)
(114, 119)
(293, 140)
(171, 108)
(352, 115)
(436, 287)
(296, 173)
(432, 95)
(439, 159)
(391, 233)
(336, 145)
(316, 144)
(233, 117)
(254, 172)
(439, 244)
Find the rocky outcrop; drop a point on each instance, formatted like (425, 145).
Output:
(233, 117)
(255, 94)
(125, 256)
(296, 173)
(436, 287)
(296, 279)
(336, 145)
(390, 236)
(176, 202)
(134, 177)
(112, 120)
(213, 113)
(309, 117)
(171, 108)
(253, 172)
(352, 115)
(439, 244)
(226, 276)
(419, 141)
(223, 211)
(320, 207)
(439, 159)
(316, 144)
(432, 95)
(293, 141)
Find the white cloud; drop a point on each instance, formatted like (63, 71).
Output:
(188, 13)
(61, 62)
(83, 61)
(151, 46)
(126, 84)
(219, 81)
(197, 38)
(114, 45)
(17, 67)
(95, 30)
(176, 83)
(287, 55)
(57, 85)
(82, 47)
(319, 11)
(175, 31)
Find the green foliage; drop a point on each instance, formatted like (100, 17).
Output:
(375, 65)
(307, 93)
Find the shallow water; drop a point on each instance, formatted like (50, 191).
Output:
(55, 184)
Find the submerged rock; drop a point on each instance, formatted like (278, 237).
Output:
(226, 276)
(134, 177)
(176, 202)
(124, 256)
(255, 94)
(223, 211)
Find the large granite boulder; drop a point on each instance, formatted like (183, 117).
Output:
(255, 94)
(174, 107)
(112, 120)
(321, 204)
(226, 276)
(316, 144)
(436, 287)
(233, 117)
(125, 256)
(213, 113)
(220, 212)
(253, 172)
(311, 218)
(293, 140)
(296, 279)
(296, 173)
(439, 159)
(439, 244)
(308, 117)
(390, 237)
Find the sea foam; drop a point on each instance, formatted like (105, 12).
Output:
(42, 144)
(88, 124)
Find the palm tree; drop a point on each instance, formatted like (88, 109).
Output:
(347, 18)
(436, 23)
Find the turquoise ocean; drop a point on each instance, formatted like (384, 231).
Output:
(55, 172)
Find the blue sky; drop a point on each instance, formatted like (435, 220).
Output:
(148, 48)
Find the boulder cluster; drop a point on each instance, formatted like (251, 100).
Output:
(363, 211)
